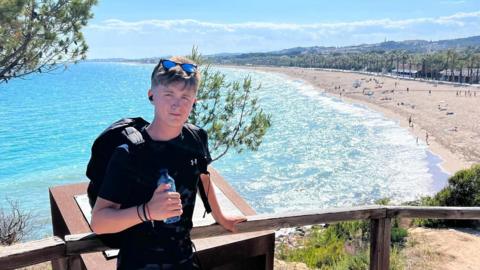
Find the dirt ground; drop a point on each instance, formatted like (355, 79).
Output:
(429, 249)
(442, 249)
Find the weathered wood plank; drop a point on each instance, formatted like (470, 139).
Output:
(380, 244)
(434, 212)
(285, 220)
(83, 243)
(30, 253)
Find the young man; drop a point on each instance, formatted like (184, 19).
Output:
(136, 207)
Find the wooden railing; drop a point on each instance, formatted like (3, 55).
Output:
(25, 254)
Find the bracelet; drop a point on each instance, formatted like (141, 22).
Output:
(148, 212)
(144, 213)
(138, 213)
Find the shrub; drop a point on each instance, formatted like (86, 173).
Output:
(322, 249)
(326, 248)
(14, 224)
(463, 190)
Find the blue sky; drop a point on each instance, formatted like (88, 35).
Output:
(134, 29)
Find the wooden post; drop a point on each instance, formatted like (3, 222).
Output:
(380, 234)
(58, 229)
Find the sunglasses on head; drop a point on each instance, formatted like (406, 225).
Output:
(188, 68)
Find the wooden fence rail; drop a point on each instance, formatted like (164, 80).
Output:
(30, 253)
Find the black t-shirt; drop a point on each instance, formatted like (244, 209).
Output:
(130, 180)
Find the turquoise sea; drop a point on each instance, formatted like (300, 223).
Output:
(320, 151)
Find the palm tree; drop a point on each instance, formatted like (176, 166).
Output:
(469, 60)
(447, 58)
(404, 58)
(397, 60)
(424, 66)
(412, 59)
(452, 55)
(477, 61)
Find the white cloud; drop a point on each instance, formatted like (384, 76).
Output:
(172, 25)
(144, 38)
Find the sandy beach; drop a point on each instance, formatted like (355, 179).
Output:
(449, 114)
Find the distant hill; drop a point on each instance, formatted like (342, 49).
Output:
(407, 45)
(410, 46)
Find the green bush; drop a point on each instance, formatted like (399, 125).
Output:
(383, 201)
(352, 230)
(322, 249)
(463, 190)
(325, 248)
(359, 261)
(398, 235)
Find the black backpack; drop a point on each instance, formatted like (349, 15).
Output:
(127, 131)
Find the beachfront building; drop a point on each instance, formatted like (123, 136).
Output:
(406, 70)
(464, 75)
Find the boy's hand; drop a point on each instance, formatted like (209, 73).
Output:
(164, 204)
(229, 222)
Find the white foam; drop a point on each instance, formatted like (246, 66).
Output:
(323, 152)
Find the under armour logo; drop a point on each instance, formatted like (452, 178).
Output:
(193, 162)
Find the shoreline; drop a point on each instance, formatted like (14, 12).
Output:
(327, 80)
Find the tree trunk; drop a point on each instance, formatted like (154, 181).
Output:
(452, 71)
(424, 69)
(398, 67)
(478, 79)
(460, 75)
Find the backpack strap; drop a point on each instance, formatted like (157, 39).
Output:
(193, 130)
(134, 136)
(136, 144)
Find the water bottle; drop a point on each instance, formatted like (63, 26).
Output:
(165, 178)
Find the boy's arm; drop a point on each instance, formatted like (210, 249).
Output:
(227, 221)
(107, 217)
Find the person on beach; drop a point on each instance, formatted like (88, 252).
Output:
(137, 210)
(426, 137)
(410, 121)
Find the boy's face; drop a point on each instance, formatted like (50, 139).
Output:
(173, 103)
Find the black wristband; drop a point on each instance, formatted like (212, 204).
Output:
(144, 213)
